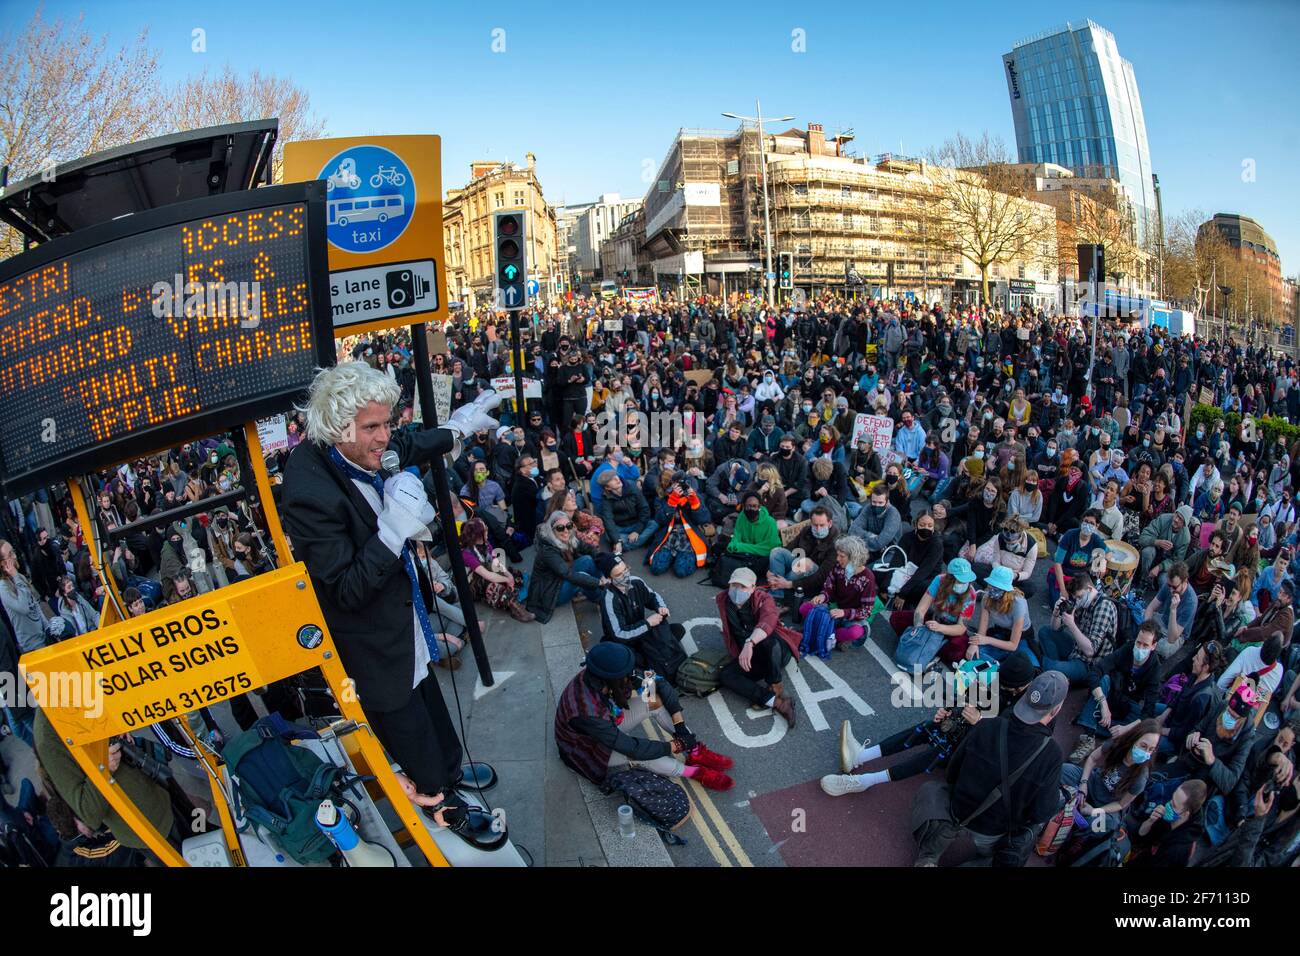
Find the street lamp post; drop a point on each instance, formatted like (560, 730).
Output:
(767, 216)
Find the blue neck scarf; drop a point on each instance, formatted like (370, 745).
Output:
(417, 598)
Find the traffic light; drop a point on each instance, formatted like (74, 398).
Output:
(511, 247)
(785, 271)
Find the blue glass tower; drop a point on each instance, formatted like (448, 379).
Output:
(1075, 103)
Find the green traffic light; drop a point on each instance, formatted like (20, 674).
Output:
(510, 271)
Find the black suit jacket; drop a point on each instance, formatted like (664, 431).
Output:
(361, 585)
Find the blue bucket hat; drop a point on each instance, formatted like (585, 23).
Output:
(1001, 578)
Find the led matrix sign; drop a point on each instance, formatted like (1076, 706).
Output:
(121, 337)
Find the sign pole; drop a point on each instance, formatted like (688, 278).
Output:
(442, 491)
(517, 356)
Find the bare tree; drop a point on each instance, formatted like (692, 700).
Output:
(931, 235)
(1103, 218)
(989, 207)
(65, 94)
(205, 100)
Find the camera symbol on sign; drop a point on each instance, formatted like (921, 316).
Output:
(405, 288)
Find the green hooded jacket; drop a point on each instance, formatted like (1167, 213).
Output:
(759, 537)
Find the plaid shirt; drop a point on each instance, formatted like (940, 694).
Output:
(1097, 621)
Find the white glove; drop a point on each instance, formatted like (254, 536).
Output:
(474, 417)
(406, 513)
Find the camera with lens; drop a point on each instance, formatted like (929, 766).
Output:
(1065, 606)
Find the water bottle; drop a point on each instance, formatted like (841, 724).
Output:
(626, 822)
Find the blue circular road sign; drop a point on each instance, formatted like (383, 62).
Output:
(370, 198)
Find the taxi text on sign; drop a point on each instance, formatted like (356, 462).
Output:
(177, 659)
(420, 239)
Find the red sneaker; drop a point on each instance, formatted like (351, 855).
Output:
(713, 779)
(702, 756)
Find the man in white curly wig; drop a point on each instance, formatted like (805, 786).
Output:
(350, 522)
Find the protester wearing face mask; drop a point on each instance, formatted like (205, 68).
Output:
(947, 607)
(760, 646)
(807, 574)
(636, 616)
(1113, 776)
(765, 439)
(794, 471)
(879, 523)
(983, 513)
(221, 541)
(173, 558)
(597, 713)
(1004, 626)
(1216, 750)
(849, 591)
(1169, 834)
(1124, 685)
(1013, 548)
(1075, 552)
(754, 537)
(524, 492)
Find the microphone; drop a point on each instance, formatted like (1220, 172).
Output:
(390, 462)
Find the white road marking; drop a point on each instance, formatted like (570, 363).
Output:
(897, 675)
(809, 700)
(501, 678)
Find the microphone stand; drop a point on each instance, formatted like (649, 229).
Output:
(450, 539)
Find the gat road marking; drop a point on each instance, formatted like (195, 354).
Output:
(809, 700)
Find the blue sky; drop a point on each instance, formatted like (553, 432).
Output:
(597, 90)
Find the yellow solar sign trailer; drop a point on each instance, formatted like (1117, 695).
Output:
(187, 359)
(173, 661)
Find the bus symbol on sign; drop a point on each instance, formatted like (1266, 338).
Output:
(370, 198)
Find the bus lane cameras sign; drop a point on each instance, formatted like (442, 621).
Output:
(377, 292)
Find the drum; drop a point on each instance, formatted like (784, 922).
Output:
(1121, 565)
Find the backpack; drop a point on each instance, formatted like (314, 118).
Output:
(654, 800)
(700, 674)
(279, 787)
(1061, 826)
(1090, 850)
(1128, 615)
(1172, 688)
(818, 632)
(917, 647)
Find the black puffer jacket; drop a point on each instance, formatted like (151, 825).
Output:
(552, 566)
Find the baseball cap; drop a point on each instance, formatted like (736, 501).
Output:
(1043, 695)
(744, 577)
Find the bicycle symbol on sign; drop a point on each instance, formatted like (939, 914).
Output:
(388, 174)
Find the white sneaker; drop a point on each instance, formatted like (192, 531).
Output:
(838, 784)
(849, 748)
